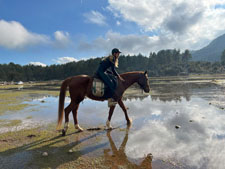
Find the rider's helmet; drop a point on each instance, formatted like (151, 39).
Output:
(115, 50)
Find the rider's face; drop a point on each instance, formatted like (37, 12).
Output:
(117, 55)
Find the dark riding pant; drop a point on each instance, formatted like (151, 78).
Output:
(107, 81)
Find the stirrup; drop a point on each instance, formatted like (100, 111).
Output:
(111, 102)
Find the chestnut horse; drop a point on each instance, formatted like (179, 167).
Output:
(81, 86)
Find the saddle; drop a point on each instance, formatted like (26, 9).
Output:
(99, 89)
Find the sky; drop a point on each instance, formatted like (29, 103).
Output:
(47, 32)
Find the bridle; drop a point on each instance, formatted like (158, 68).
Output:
(144, 85)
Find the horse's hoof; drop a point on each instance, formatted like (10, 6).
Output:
(109, 128)
(129, 122)
(108, 125)
(63, 132)
(78, 128)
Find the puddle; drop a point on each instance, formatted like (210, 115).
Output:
(198, 142)
(20, 158)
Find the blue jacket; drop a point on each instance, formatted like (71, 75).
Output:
(106, 64)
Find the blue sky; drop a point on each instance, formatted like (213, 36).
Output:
(55, 31)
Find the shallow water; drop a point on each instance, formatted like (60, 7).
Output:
(197, 143)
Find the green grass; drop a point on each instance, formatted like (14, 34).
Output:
(10, 123)
(38, 140)
(12, 99)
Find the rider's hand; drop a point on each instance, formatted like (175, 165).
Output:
(121, 79)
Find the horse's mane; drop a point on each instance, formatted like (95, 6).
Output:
(131, 73)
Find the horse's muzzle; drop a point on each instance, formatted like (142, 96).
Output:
(147, 90)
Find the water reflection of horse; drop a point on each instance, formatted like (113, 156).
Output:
(118, 156)
(80, 86)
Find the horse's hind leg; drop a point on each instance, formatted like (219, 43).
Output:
(67, 112)
(75, 117)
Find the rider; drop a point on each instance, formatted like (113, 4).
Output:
(109, 62)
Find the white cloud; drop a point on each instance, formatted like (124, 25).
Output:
(37, 64)
(95, 17)
(128, 44)
(185, 24)
(62, 38)
(15, 36)
(66, 59)
(118, 23)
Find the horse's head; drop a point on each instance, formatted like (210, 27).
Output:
(143, 82)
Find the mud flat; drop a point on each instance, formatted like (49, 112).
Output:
(28, 138)
(45, 148)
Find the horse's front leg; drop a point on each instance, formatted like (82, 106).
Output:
(129, 121)
(111, 110)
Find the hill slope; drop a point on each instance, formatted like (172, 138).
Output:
(211, 52)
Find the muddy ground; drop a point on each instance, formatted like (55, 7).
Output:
(39, 145)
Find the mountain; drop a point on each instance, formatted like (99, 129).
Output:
(211, 52)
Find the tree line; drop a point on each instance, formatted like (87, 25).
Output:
(163, 63)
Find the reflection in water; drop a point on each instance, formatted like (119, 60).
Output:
(118, 156)
(198, 143)
(176, 92)
(172, 92)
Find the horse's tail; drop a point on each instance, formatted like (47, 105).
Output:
(62, 96)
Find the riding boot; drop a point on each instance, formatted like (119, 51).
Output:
(116, 96)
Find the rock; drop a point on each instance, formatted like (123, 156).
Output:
(177, 126)
(4, 140)
(44, 154)
(31, 135)
(70, 151)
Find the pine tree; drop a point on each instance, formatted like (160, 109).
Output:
(223, 57)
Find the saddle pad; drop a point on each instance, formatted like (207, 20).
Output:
(98, 88)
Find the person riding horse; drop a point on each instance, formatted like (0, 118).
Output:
(80, 86)
(102, 72)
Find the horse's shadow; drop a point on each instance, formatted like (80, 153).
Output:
(60, 150)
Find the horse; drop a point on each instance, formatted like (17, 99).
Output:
(80, 86)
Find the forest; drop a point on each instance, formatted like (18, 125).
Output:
(163, 63)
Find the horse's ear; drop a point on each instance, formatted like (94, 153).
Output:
(145, 72)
